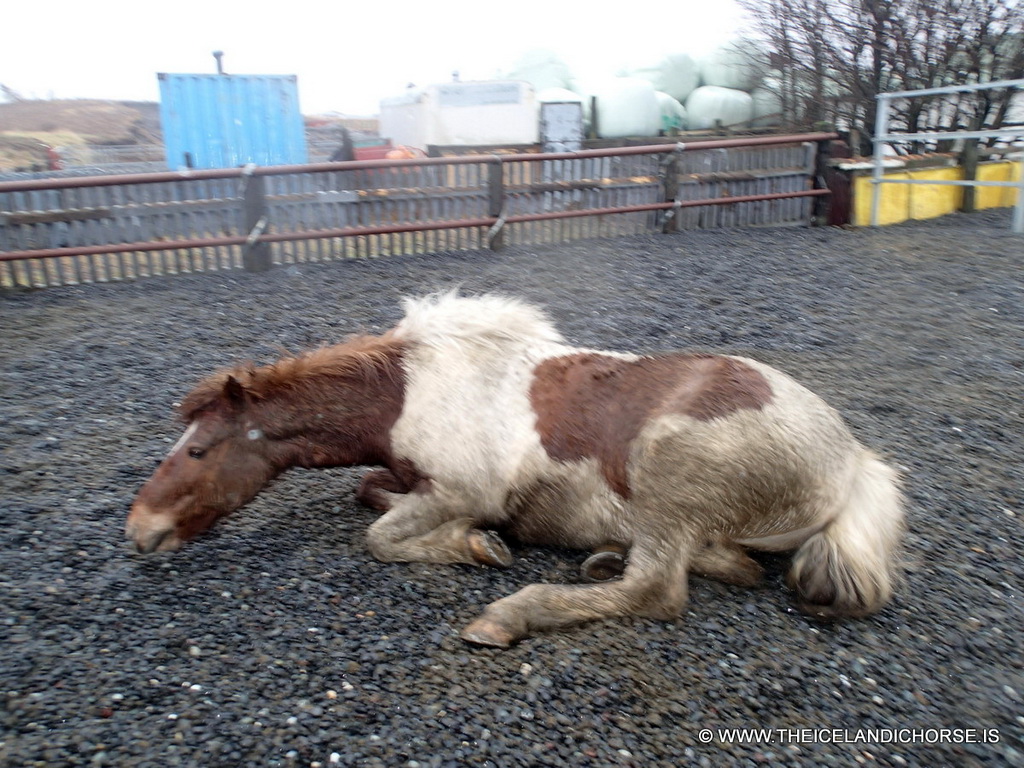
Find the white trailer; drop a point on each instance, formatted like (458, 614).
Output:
(470, 113)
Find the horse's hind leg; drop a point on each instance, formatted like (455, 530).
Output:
(652, 587)
(726, 562)
(607, 562)
(719, 560)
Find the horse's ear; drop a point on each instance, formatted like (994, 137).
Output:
(234, 392)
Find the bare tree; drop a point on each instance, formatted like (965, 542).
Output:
(833, 57)
(9, 94)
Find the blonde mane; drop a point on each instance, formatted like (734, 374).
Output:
(441, 319)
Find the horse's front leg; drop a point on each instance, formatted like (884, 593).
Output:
(652, 586)
(425, 528)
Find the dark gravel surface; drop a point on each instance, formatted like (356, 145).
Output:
(276, 640)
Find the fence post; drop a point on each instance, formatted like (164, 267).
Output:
(496, 202)
(255, 254)
(881, 128)
(670, 189)
(969, 164)
(1018, 209)
(822, 206)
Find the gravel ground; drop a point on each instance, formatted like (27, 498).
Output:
(276, 639)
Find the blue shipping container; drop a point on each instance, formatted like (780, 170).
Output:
(224, 121)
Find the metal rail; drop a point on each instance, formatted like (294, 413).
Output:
(882, 136)
(319, 234)
(951, 89)
(497, 193)
(32, 185)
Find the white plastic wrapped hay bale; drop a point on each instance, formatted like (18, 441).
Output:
(543, 69)
(626, 106)
(767, 105)
(736, 65)
(711, 105)
(677, 74)
(673, 114)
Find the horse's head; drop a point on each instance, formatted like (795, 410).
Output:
(220, 463)
(332, 407)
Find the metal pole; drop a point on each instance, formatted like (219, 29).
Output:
(1018, 209)
(822, 208)
(881, 128)
(496, 202)
(670, 190)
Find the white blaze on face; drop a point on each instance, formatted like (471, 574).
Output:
(184, 438)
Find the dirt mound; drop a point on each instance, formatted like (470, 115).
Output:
(97, 122)
(28, 128)
(22, 151)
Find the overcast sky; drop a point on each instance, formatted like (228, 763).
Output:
(348, 54)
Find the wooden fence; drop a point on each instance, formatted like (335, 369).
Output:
(95, 229)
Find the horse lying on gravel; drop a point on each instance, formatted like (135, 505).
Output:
(481, 417)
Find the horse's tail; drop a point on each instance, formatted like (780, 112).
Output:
(849, 568)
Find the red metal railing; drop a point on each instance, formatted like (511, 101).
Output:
(495, 219)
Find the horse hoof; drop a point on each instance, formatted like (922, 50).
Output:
(604, 565)
(489, 633)
(487, 548)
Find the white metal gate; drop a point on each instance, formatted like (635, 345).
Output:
(882, 136)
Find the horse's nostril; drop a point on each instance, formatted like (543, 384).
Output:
(156, 541)
(144, 545)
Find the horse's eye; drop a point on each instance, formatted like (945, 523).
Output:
(196, 453)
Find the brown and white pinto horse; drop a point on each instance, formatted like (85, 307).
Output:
(481, 417)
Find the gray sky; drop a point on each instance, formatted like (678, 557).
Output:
(347, 54)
